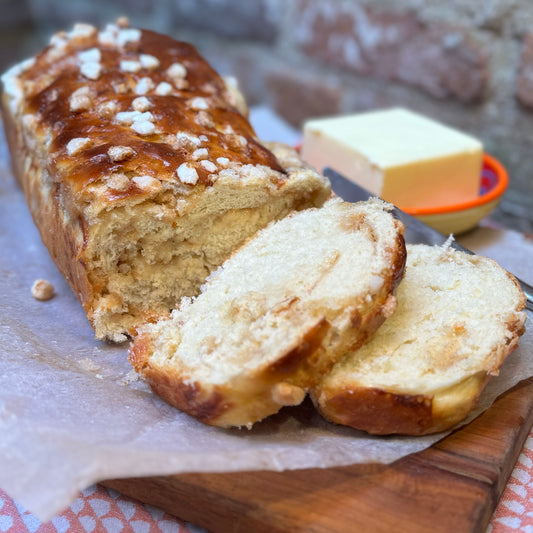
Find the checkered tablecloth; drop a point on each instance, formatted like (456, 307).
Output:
(515, 509)
(96, 510)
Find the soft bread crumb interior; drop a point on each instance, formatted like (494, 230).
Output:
(148, 256)
(453, 312)
(307, 266)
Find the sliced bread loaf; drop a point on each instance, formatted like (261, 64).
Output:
(458, 317)
(277, 314)
(141, 179)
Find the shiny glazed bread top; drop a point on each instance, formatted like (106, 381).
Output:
(116, 109)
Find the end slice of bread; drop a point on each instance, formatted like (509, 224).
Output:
(277, 314)
(457, 319)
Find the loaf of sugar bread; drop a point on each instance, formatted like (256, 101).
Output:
(141, 169)
(277, 314)
(458, 317)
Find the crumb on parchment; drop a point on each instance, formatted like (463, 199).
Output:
(42, 290)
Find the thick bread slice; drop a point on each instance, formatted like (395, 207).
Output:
(277, 314)
(139, 170)
(458, 317)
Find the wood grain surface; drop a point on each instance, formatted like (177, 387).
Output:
(454, 486)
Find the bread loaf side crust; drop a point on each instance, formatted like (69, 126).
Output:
(381, 412)
(120, 137)
(238, 403)
(62, 239)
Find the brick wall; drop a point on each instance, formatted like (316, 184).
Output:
(466, 62)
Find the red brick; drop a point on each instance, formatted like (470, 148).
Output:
(435, 57)
(256, 20)
(524, 80)
(297, 98)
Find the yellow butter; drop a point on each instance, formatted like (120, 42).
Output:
(405, 158)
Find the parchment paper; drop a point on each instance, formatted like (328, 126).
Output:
(72, 412)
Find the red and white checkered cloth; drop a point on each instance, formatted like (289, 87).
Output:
(515, 509)
(96, 510)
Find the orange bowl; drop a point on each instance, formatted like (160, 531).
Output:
(458, 218)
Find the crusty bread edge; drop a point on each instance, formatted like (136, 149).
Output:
(237, 403)
(380, 412)
(59, 237)
(362, 327)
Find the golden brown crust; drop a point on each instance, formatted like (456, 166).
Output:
(377, 411)
(517, 326)
(139, 352)
(206, 405)
(237, 404)
(123, 119)
(399, 253)
(200, 107)
(61, 240)
(306, 358)
(381, 412)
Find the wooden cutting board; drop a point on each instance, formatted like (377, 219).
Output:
(454, 486)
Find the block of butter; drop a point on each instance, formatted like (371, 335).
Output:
(405, 158)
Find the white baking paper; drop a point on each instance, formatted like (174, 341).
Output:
(72, 412)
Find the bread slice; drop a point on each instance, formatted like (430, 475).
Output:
(139, 170)
(277, 314)
(458, 317)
